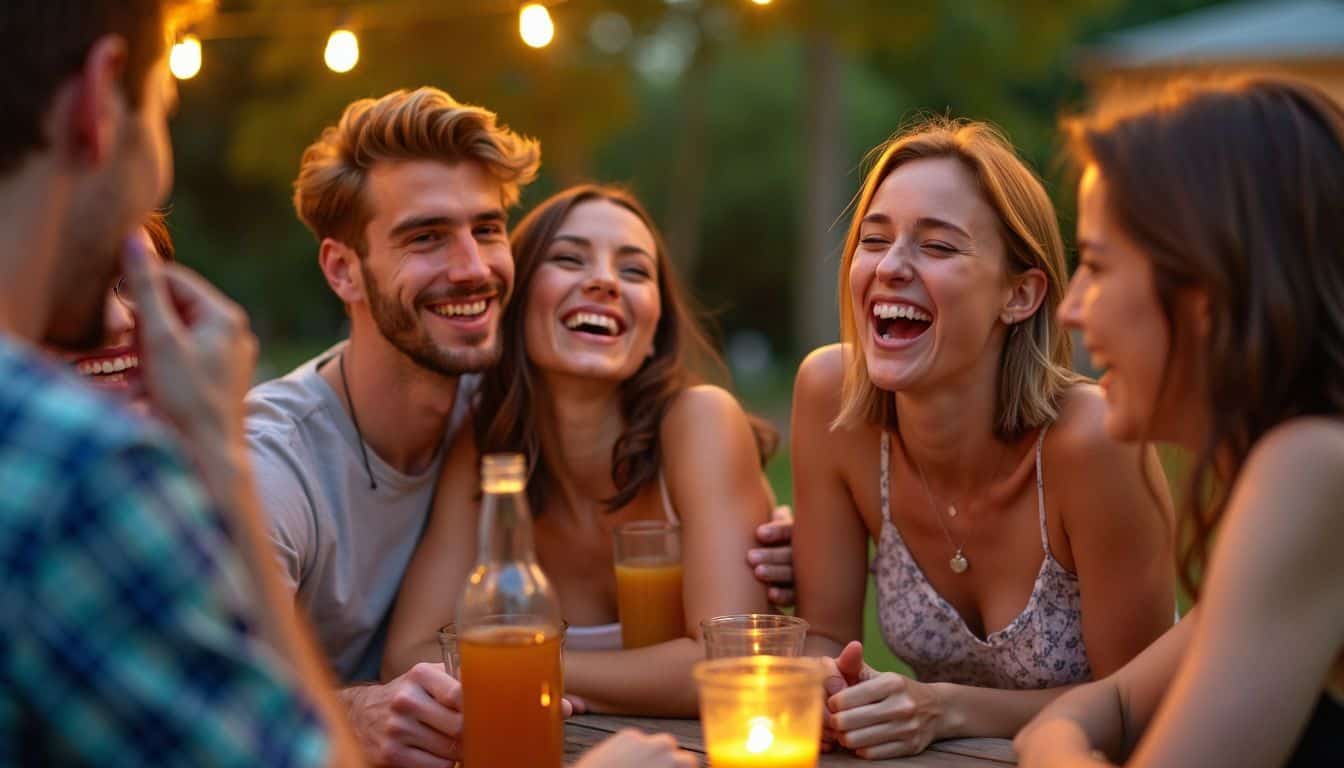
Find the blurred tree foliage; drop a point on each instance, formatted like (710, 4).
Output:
(721, 114)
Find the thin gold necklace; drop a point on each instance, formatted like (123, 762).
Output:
(958, 562)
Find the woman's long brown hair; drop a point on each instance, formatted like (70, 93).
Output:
(1235, 190)
(508, 412)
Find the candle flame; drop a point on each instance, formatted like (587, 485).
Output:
(760, 737)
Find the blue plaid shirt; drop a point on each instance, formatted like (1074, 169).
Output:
(124, 625)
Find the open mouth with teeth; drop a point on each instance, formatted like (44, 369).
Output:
(594, 323)
(900, 322)
(113, 368)
(467, 310)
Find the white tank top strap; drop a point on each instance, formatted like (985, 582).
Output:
(1040, 493)
(668, 510)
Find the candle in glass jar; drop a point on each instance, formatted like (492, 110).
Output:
(762, 748)
(760, 711)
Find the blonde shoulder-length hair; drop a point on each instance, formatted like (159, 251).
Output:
(1035, 361)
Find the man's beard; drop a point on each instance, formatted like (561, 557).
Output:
(403, 330)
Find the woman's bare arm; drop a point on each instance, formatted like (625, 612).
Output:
(1119, 533)
(714, 478)
(443, 560)
(1113, 711)
(830, 541)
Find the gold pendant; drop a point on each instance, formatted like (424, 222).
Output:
(959, 563)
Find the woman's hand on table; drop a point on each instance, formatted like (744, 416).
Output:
(633, 749)
(877, 714)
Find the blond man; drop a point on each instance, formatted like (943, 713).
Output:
(407, 196)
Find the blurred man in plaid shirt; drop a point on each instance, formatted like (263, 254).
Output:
(141, 618)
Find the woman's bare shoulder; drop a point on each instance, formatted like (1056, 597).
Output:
(1080, 429)
(820, 375)
(701, 406)
(1092, 473)
(817, 392)
(1300, 459)
(706, 421)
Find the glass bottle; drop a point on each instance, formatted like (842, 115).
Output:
(509, 634)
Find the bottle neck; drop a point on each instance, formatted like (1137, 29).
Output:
(505, 530)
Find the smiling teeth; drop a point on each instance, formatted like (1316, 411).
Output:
(459, 310)
(905, 311)
(113, 365)
(591, 318)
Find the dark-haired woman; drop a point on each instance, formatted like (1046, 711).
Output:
(1211, 286)
(596, 386)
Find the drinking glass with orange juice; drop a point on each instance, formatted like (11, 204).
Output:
(509, 635)
(648, 583)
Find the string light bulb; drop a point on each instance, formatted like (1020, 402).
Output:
(342, 53)
(761, 2)
(185, 59)
(535, 25)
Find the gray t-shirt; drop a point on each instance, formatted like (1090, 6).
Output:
(344, 547)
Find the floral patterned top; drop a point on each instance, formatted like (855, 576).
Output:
(1041, 648)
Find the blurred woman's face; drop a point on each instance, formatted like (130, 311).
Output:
(115, 364)
(928, 278)
(1113, 301)
(593, 305)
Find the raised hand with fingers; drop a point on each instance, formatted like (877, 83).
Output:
(772, 562)
(197, 350)
(878, 714)
(633, 749)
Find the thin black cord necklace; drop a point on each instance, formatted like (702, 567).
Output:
(363, 452)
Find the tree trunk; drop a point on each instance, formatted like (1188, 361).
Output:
(816, 321)
(686, 187)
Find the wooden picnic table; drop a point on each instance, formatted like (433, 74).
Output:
(584, 731)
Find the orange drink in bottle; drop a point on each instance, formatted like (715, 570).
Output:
(509, 635)
(512, 681)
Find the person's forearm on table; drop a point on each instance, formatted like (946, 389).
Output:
(971, 711)
(1097, 708)
(653, 681)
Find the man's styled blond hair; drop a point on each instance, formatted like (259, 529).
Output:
(424, 124)
(1034, 366)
